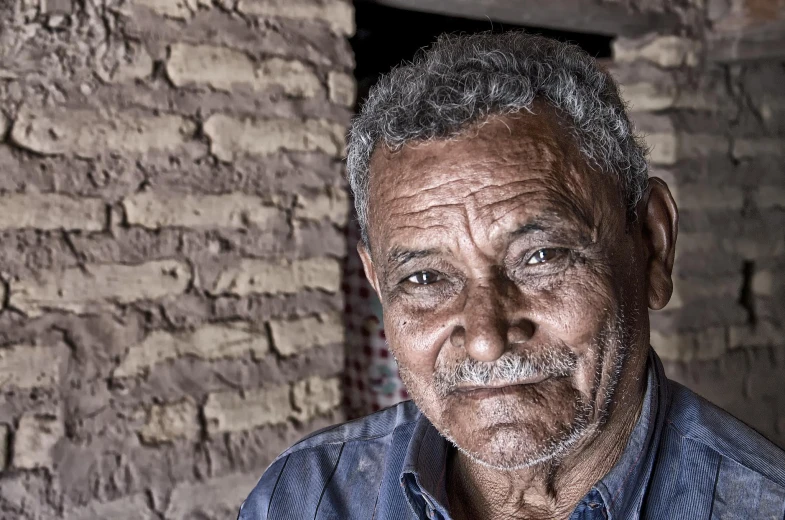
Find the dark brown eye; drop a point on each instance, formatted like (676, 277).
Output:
(545, 255)
(423, 278)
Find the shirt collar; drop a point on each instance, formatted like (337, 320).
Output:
(424, 472)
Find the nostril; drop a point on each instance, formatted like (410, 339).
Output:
(520, 332)
(458, 337)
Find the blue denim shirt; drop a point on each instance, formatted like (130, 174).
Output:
(685, 459)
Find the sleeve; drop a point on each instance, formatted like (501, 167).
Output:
(257, 505)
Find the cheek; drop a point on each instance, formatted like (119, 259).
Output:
(416, 338)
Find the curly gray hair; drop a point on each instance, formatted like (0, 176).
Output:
(463, 79)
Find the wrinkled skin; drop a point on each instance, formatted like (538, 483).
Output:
(505, 240)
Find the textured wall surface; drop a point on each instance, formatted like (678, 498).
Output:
(717, 135)
(171, 235)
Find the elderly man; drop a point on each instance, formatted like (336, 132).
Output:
(517, 243)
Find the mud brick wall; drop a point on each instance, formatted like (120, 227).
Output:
(716, 128)
(171, 235)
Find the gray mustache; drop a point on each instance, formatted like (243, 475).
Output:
(511, 368)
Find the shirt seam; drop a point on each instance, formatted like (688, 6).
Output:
(683, 435)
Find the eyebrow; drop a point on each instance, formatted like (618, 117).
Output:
(399, 257)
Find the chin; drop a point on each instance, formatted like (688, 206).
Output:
(512, 449)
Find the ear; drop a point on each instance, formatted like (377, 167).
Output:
(368, 267)
(660, 221)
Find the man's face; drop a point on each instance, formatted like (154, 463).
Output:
(512, 287)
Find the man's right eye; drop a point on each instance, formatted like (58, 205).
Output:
(423, 278)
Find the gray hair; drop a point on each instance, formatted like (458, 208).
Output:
(464, 79)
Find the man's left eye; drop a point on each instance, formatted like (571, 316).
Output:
(546, 255)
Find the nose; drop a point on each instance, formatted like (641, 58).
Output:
(487, 330)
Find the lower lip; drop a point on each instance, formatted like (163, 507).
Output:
(483, 393)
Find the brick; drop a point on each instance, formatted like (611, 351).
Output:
(138, 64)
(687, 346)
(707, 196)
(157, 210)
(51, 211)
(292, 337)
(767, 283)
(222, 68)
(35, 437)
(79, 290)
(208, 342)
(337, 14)
(215, 498)
(87, 133)
(342, 88)
(334, 207)
(771, 197)
(168, 422)
(690, 290)
(762, 334)
(132, 507)
(315, 396)
(179, 9)
(234, 412)
(4, 438)
(668, 148)
(261, 276)
(26, 366)
(230, 137)
(665, 51)
(752, 148)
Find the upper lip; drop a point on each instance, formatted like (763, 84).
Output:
(501, 384)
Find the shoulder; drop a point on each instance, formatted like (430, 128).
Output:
(718, 458)
(297, 478)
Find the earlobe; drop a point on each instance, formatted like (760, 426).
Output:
(660, 223)
(368, 267)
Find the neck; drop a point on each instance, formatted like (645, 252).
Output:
(550, 490)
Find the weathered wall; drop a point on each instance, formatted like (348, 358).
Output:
(171, 214)
(717, 132)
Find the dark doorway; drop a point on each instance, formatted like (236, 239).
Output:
(385, 37)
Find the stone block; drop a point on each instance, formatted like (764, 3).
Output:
(51, 211)
(132, 507)
(706, 344)
(762, 334)
(137, 65)
(79, 290)
(334, 206)
(168, 422)
(208, 342)
(342, 88)
(665, 51)
(25, 366)
(771, 197)
(668, 148)
(35, 438)
(261, 276)
(234, 412)
(686, 291)
(178, 9)
(752, 148)
(767, 283)
(230, 136)
(222, 68)
(292, 337)
(315, 396)
(646, 96)
(87, 133)
(707, 196)
(213, 499)
(235, 210)
(338, 15)
(4, 448)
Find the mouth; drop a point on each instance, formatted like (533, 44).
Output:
(492, 390)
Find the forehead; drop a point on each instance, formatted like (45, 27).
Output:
(492, 178)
